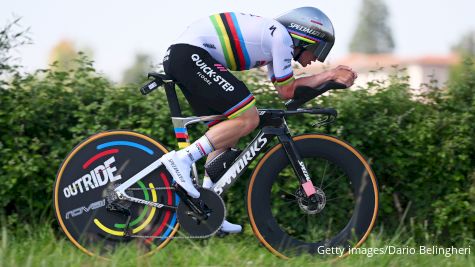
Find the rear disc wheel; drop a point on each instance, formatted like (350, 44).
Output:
(85, 180)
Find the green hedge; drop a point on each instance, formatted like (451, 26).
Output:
(421, 151)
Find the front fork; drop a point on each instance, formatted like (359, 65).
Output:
(298, 165)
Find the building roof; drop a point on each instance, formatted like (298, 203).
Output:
(445, 60)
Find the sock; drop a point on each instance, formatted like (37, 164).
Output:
(196, 151)
(207, 183)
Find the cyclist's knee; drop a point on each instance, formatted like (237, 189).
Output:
(249, 120)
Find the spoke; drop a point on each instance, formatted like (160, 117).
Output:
(324, 172)
(287, 197)
(336, 198)
(314, 224)
(319, 215)
(334, 194)
(298, 221)
(300, 224)
(288, 193)
(307, 226)
(339, 177)
(318, 230)
(290, 201)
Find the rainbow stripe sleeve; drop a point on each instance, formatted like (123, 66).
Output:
(240, 107)
(283, 80)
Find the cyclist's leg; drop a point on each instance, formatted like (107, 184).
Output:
(210, 90)
(227, 133)
(224, 135)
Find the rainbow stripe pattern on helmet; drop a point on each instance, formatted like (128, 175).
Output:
(311, 29)
(232, 41)
(303, 37)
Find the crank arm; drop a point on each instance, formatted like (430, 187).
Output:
(120, 190)
(146, 202)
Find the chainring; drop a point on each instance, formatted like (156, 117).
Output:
(210, 201)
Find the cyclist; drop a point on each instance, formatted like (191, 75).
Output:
(201, 57)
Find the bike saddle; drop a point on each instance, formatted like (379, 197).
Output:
(159, 79)
(162, 77)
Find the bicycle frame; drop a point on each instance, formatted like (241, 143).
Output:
(272, 125)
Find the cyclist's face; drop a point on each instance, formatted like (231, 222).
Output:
(307, 58)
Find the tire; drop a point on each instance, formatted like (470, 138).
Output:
(80, 207)
(286, 226)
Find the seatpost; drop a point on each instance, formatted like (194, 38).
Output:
(173, 104)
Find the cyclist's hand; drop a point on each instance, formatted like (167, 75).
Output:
(345, 75)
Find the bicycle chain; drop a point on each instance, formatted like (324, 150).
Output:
(173, 237)
(176, 237)
(149, 189)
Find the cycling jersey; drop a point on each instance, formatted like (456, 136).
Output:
(242, 41)
(199, 61)
(209, 87)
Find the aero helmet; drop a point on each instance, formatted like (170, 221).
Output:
(310, 29)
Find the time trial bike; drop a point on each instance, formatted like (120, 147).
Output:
(307, 193)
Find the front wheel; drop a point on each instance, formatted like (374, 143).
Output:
(287, 224)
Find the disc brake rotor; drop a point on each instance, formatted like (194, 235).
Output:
(307, 206)
(213, 204)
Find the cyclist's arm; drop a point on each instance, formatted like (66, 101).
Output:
(287, 91)
(341, 74)
(280, 69)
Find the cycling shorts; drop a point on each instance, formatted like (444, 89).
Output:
(207, 85)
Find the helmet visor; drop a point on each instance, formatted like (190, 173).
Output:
(320, 49)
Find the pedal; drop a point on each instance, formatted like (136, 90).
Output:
(221, 234)
(202, 224)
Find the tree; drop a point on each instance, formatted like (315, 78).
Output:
(63, 55)
(138, 71)
(11, 37)
(373, 34)
(466, 45)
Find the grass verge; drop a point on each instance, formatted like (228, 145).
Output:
(42, 247)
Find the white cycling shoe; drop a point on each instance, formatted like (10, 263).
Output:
(230, 228)
(180, 173)
(226, 227)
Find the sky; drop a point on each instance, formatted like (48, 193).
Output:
(117, 30)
